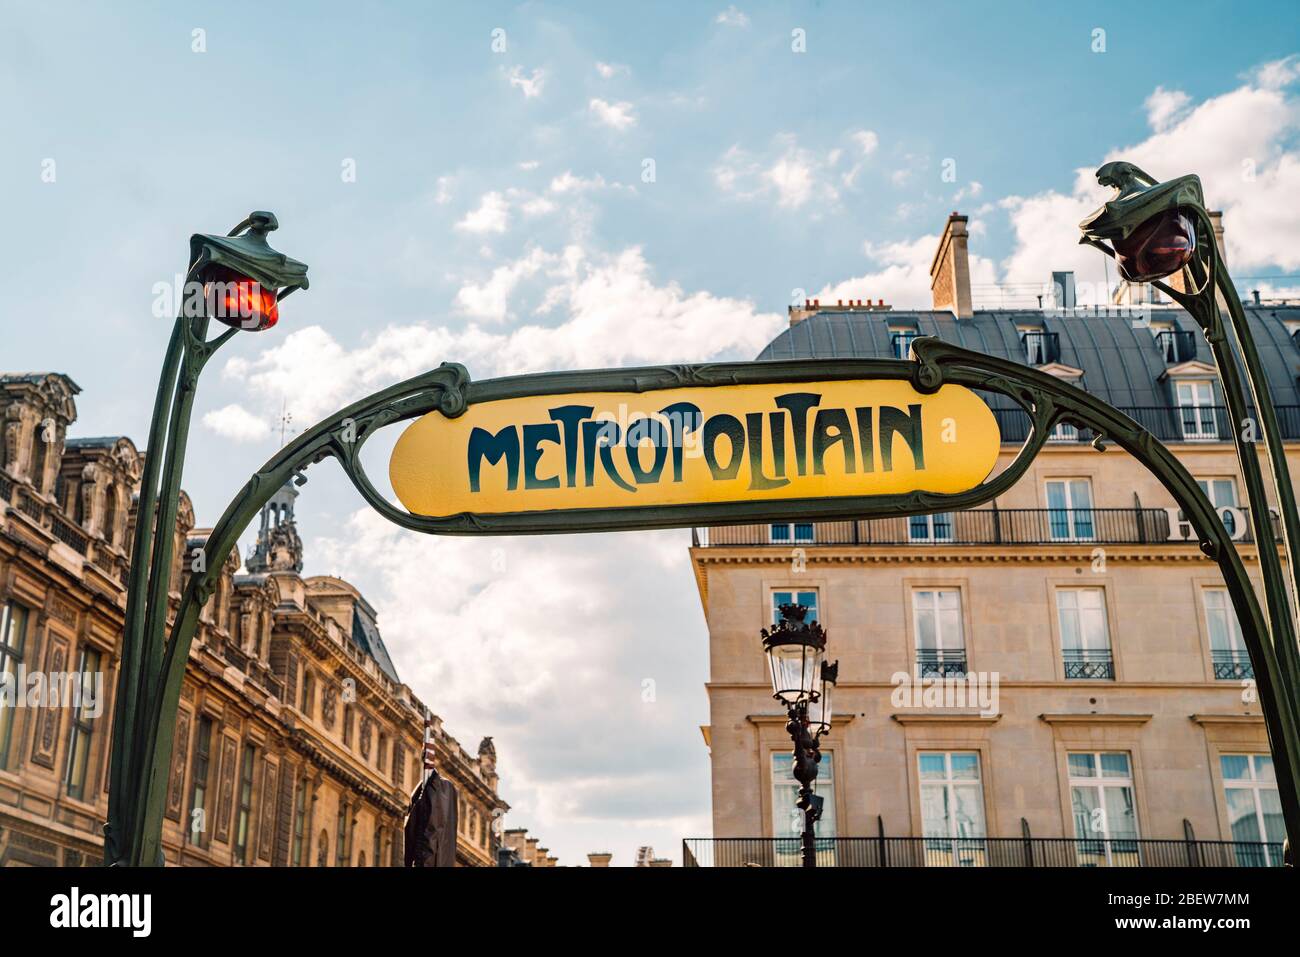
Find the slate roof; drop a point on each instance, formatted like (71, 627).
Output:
(366, 637)
(1121, 363)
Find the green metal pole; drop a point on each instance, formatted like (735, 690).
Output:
(127, 710)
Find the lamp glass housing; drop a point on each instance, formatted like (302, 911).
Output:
(1159, 247)
(796, 670)
(238, 300)
(820, 710)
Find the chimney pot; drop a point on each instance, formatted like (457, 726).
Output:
(817, 303)
(880, 302)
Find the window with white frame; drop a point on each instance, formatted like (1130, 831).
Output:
(807, 598)
(1222, 493)
(1085, 637)
(1196, 410)
(952, 806)
(1101, 798)
(940, 645)
(787, 819)
(1254, 809)
(792, 533)
(1069, 510)
(1228, 652)
(930, 528)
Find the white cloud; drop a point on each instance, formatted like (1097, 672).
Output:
(618, 116)
(610, 70)
(615, 314)
(791, 175)
(540, 642)
(866, 141)
(490, 300)
(1241, 143)
(491, 216)
(537, 206)
(530, 86)
(903, 281)
(443, 195)
(732, 17)
(567, 182)
(527, 165)
(1165, 107)
(236, 423)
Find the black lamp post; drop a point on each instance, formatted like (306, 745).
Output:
(802, 680)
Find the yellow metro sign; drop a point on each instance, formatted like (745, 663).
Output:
(699, 452)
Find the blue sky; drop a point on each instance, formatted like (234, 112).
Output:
(501, 215)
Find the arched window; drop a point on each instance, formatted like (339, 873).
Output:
(361, 859)
(322, 850)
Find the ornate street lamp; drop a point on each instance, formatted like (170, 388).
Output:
(239, 280)
(1157, 231)
(802, 680)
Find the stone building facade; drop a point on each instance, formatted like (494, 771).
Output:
(1125, 706)
(297, 742)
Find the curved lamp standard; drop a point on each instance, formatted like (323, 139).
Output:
(1157, 231)
(802, 680)
(237, 279)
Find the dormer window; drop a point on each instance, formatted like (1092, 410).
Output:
(900, 341)
(1041, 347)
(1176, 345)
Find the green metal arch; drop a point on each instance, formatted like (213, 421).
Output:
(448, 389)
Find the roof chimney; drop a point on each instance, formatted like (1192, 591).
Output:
(1216, 222)
(599, 860)
(950, 269)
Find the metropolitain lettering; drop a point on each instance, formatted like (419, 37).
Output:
(797, 436)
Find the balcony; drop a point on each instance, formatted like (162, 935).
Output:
(1092, 664)
(981, 526)
(1231, 665)
(941, 662)
(978, 852)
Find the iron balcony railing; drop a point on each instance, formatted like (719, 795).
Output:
(978, 852)
(981, 526)
(1231, 665)
(1168, 423)
(941, 662)
(1089, 663)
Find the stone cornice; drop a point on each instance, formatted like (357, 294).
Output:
(1250, 719)
(1091, 718)
(837, 721)
(940, 717)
